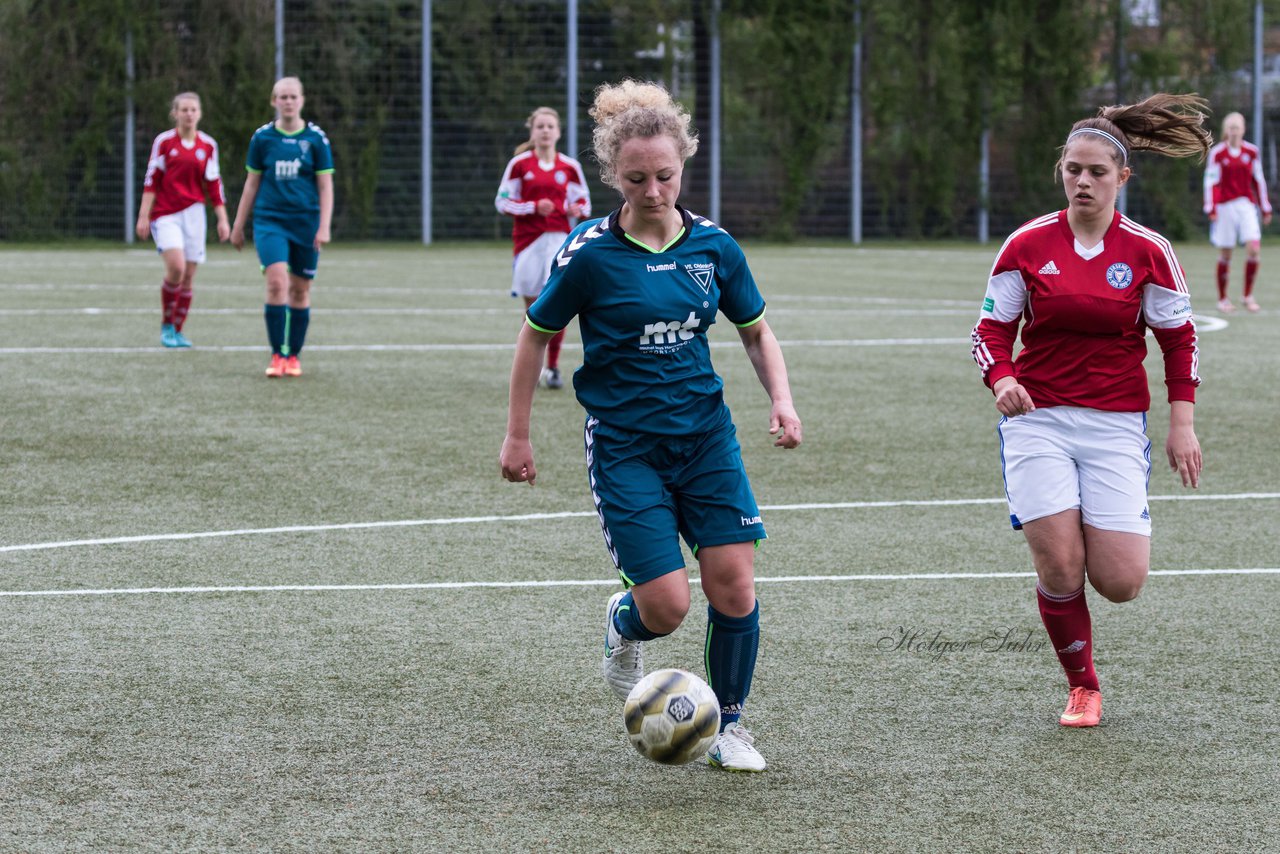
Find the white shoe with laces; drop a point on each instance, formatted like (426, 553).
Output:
(623, 664)
(734, 750)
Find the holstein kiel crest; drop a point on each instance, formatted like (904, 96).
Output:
(1119, 276)
(702, 274)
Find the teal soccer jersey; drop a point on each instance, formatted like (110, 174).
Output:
(644, 318)
(289, 164)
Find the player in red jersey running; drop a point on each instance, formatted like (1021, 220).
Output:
(183, 168)
(541, 191)
(1234, 190)
(1085, 284)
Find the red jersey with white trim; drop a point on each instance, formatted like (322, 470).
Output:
(1084, 315)
(181, 173)
(526, 180)
(1235, 174)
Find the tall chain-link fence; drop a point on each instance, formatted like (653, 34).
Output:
(786, 86)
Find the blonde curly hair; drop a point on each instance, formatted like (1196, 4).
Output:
(633, 109)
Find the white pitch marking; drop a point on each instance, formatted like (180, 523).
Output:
(435, 348)
(257, 312)
(577, 582)
(566, 514)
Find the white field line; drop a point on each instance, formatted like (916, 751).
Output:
(511, 310)
(567, 514)
(435, 348)
(576, 582)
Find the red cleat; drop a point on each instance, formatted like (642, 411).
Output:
(277, 367)
(1084, 708)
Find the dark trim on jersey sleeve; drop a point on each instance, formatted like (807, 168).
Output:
(621, 235)
(537, 327)
(759, 317)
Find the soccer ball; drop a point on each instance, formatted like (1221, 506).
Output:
(672, 716)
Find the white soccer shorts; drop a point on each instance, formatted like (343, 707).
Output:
(532, 267)
(185, 230)
(1236, 224)
(1063, 457)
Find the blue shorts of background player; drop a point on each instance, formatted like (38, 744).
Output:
(291, 243)
(652, 489)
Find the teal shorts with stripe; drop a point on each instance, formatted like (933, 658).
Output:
(290, 242)
(650, 490)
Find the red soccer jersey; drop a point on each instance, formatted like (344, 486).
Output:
(1084, 315)
(180, 173)
(525, 181)
(1234, 174)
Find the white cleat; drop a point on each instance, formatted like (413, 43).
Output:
(734, 750)
(623, 664)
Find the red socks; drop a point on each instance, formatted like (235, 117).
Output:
(1066, 619)
(168, 301)
(553, 349)
(180, 308)
(1250, 273)
(1223, 269)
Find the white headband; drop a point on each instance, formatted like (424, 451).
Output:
(1103, 133)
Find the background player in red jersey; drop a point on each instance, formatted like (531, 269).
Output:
(541, 191)
(1085, 284)
(182, 169)
(1234, 190)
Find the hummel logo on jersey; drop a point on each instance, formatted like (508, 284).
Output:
(660, 268)
(1075, 646)
(566, 252)
(754, 520)
(656, 335)
(1050, 269)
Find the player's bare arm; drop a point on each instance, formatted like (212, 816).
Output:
(766, 357)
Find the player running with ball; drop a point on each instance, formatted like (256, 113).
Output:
(663, 460)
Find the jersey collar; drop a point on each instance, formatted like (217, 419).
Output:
(626, 240)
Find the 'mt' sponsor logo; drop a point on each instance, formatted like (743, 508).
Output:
(669, 335)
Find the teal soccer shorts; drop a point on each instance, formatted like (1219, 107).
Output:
(276, 242)
(652, 489)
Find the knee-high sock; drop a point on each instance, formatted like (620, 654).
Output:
(1223, 269)
(180, 309)
(275, 315)
(168, 299)
(1066, 619)
(299, 319)
(1250, 273)
(553, 349)
(626, 619)
(732, 644)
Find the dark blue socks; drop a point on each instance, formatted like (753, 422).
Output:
(732, 643)
(276, 317)
(627, 621)
(299, 318)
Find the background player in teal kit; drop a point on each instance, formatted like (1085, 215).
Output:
(663, 459)
(289, 189)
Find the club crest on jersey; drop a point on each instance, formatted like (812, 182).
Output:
(1119, 275)
(304, 144)
(561, 178)
(702, 274)
(200, 155)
